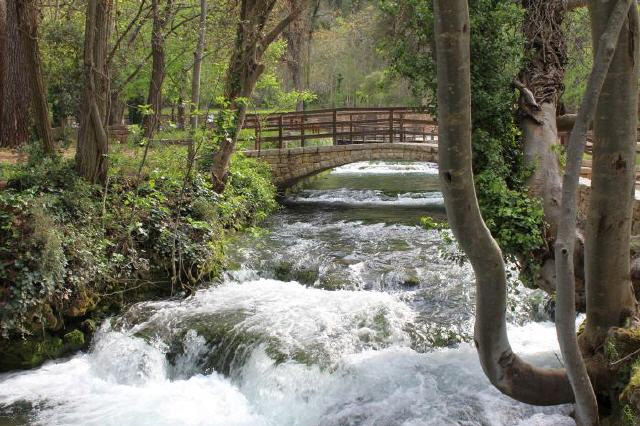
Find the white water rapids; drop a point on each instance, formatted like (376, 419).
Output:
(331, 318)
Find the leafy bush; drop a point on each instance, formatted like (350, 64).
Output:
(68, 248)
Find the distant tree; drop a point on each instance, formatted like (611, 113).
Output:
(253, 37)
(15, 100)
(296, 36)
(197, 64)
(28, 18)
(160, 20)
(93, 146)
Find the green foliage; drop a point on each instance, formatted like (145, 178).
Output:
(577, 28)
(67, 248)
(427, 222)
(514, 218)
(249, 195)
(61, 50)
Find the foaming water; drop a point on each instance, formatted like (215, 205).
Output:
(386, 168)
(343, 312)
(372, 376)
(367, 198)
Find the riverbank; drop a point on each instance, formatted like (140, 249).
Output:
(72, 254)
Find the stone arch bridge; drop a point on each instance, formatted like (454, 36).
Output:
(289, 165)
(301, 144)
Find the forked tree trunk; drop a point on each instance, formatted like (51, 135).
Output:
(197, 65)
(610, 298)
(15, 119)
(244, 70)
(586, 403)
(505, 370)
(28, 21)
(93, 145)
(160, 20)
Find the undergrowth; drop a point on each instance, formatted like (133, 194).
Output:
(69, 249)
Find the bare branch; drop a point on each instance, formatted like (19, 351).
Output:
(280, 26)
(116, 45)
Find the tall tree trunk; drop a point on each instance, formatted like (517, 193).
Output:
(505, 370)
(181, 113)
(197, 65)
(14, 122)
(295, 36)
(160, 19)
(3, 41)
(610, 298)
(586, 403)
(28, 19)
(541, 87)
(116, 108)
(93, 144)
(244, 70)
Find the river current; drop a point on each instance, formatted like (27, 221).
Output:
(342, 310)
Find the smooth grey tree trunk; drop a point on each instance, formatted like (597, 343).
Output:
(586, 403)
(505, 370)
(610, 298)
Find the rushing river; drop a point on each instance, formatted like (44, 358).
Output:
(342, 311)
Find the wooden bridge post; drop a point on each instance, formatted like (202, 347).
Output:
(335, 128)
(350, 128)
(280, 131)
(302, 130)
(402, 136)
(391, 126)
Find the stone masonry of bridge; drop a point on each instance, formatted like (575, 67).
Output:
(292, 164)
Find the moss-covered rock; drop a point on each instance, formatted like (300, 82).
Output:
(84, 301)
(411, 281)
(30, 353)
(73, 341)
(24, 354)
(631, 393)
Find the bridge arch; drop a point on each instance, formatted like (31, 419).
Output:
(293, 164)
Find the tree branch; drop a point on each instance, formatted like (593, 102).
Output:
(116, 45)
(280, 26)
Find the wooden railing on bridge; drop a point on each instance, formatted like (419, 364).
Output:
(341, 126)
